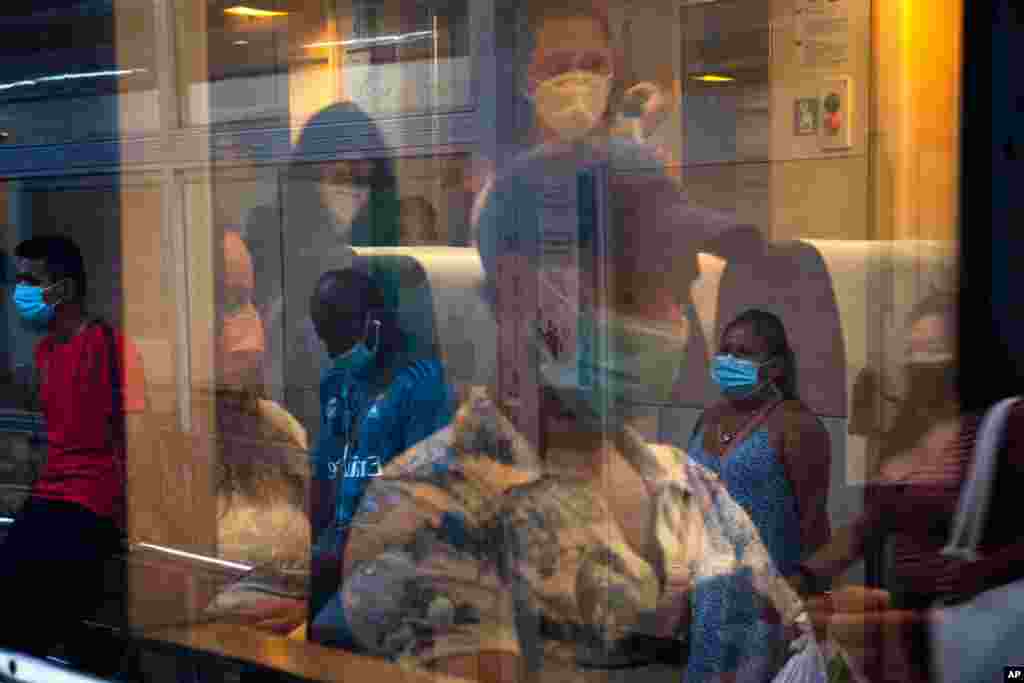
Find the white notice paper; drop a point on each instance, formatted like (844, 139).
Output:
(822, 32)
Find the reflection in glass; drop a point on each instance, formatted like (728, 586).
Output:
(68, 73)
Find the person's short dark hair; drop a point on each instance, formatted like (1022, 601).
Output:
(62, 257)
(340, 305)
(768, 328)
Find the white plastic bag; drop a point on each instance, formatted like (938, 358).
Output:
(841, 669)
(806, 666)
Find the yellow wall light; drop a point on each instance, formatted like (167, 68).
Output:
(713, 78)
(243, 11)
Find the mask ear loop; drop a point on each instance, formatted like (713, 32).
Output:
(372, 322)
(46, 289)
(776, 391)
(764, 384)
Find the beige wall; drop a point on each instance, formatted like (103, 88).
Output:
(818, 193)
(897, 181)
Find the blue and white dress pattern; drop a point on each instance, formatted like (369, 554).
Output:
(730, 632)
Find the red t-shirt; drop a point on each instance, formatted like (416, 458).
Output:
(83, 464)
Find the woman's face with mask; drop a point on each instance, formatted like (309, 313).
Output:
(930, 341)
(345, 189)
(929, 361)
(570, 76)
(241, 343)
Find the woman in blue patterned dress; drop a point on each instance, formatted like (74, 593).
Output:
(772, 455)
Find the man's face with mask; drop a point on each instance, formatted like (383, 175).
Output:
(618, 343)
(345, 189)
(570, 77)
(241, 343)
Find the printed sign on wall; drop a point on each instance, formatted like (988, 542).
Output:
(822, 33)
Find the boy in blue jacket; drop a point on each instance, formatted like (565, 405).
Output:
(379, 396)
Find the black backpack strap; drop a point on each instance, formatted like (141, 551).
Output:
(696, 427)
(116, 386)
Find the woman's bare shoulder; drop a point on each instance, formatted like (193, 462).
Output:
(794, 413)
(713, 413)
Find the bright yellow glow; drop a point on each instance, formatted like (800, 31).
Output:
(713, 78)
(242, 11)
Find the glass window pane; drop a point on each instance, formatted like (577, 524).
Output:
(282, 62)
(506, 336)
(77, 72)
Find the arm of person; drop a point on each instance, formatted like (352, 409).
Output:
(26, 382)
(674, 222)
(845, 547)
(807, 459)
(153, 479)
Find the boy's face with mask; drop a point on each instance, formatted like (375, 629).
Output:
(241, 342)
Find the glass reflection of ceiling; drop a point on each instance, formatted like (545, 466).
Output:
(60, 48)
(728, 38)
(21, 12)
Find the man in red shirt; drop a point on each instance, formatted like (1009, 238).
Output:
(53, 560)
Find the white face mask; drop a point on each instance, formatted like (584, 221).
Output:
(573, 103)
(344, 202)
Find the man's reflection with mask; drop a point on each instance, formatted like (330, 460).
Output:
(261, 476)
(540, 535)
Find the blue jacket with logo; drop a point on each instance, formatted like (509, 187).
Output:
(362, 428)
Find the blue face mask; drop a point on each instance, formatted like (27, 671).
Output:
(32, 306)
(358, 361)
(736, 377)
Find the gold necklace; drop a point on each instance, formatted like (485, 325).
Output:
(726, 437)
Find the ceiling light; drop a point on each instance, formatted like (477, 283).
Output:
(395, 38)
(243, 11)
(240, 42)
(713, 78)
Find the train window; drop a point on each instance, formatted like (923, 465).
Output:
(433, 304)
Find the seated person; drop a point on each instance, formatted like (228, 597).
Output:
(771, 453)
(261, 472)
(381, 395)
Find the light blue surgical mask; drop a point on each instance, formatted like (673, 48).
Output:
(737, 377)
(31, 305)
